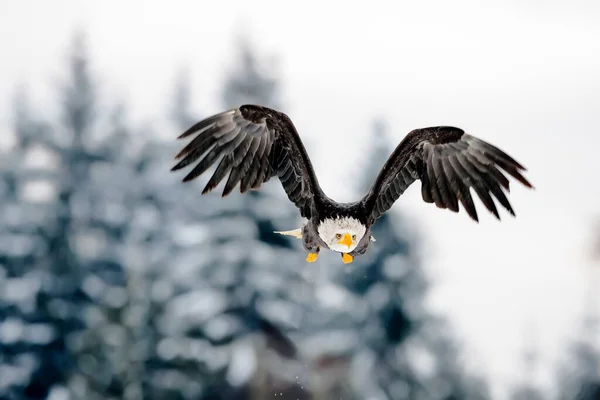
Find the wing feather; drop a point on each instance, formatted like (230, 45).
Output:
(249, 177)
(446, 194)
(252, 144)
(475, 181)
(463, 193)
(432, 178)
(232, 181)
(448, 162)
(259, 167)
(222, 170)
(205, 163)
(247, 162)
(450, 196)
(493, 179)
(485, 166)
(425, 188)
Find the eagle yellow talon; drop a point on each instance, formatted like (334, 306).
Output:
(347, 258)
(312, 257)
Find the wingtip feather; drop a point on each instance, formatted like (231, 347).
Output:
(207, 189)
(227, 189)
(188, 178)
(181, 153)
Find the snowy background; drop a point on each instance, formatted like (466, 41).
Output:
(117, 281)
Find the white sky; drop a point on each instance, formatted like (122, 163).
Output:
(523, 75)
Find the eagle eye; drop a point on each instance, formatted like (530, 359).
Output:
(338, 235)
(353, 237)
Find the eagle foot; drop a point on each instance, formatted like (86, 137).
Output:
(347, 258)
(312, 257)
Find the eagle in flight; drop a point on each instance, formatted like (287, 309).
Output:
(254, 143)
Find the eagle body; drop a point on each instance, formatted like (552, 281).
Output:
(251, 144)
(329, 225)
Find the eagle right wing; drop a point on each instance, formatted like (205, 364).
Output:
(254, 143)
(448, 162)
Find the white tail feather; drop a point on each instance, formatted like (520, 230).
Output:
(297, 233)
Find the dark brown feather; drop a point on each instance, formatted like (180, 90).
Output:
(469, 175)
(463, 192)
(220, 172)
(432, 178)
(442, 183)
(448, 162)
(251, 144)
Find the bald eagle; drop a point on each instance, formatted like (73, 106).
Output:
(254, 143)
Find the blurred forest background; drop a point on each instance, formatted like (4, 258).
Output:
(117, 281)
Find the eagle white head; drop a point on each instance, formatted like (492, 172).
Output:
(341, 234)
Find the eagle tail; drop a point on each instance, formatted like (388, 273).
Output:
(297, 233)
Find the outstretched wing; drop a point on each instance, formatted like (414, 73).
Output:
(448, 162)
(253, 144)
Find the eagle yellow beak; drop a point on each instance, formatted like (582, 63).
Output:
(347, 240)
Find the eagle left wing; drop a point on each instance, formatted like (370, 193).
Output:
(448, 162)
(254, 144)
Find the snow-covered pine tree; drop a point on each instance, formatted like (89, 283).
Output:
(57, 164)
(86, 290)
(31, 348)
(578, 375)
(182, 115)
(526, 387)
(84, 217)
